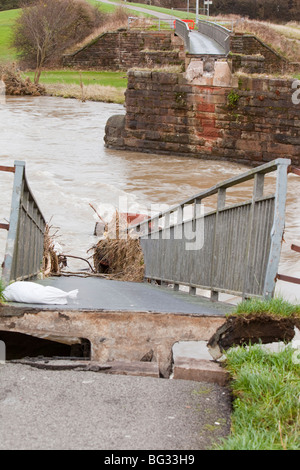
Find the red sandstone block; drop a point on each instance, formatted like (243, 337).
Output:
(201, 115)
(165, 78)
(200, 370)
(209, 99)
(256, 136)
(211, 132)
(295, 151)
(208, 122)
(145, 369)
(206, 107)
(248, 145)
(217, 99)
(282, 149)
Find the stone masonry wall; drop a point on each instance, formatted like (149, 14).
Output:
(249, 45)
(254, 123)
(126, 49)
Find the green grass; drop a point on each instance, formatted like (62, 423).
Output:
(7, 19)
(168, 11)
(276, 306)
(104, 7)
(104, 78)
(266, 407)
(2, 287)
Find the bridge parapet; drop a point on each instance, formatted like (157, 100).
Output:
(219, 33)
(182, 30)
(25, 239)
(233, 249)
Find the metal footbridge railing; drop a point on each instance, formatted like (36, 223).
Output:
(25, 239)
(203, 242)
(218, 33)
(210, 38)
(232, 249)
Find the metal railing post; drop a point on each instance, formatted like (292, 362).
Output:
(12, 236)
(25, 239)
(277, 229)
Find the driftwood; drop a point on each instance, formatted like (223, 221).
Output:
(15, 84)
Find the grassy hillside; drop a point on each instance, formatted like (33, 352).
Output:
(283, 38)
(7, 19)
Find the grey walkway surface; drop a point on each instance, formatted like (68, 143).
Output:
(105, 294)
(42, 409)
(201, 44)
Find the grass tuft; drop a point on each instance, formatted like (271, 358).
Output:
(276, 306)
(2, 287)
(266, 407)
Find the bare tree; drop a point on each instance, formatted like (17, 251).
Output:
(47, 28)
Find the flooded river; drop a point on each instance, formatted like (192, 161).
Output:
(69, 168)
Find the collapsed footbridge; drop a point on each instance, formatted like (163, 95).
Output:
(233, 248)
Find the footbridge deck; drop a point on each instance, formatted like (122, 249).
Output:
(200, 44)
(207, 39)
(106, 294)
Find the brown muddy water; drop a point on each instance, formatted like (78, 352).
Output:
(68, 167)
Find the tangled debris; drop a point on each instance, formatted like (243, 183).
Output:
(117, 255)
(16, 85)
(119, 252)
(51, 262)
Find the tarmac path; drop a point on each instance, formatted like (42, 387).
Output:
(77, 410)
(72, 409)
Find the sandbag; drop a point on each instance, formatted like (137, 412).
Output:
(32, 293)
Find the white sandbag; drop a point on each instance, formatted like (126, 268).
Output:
(32, 293)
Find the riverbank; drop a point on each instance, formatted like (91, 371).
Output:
(102, 86)
(105, 94)
(87, 85)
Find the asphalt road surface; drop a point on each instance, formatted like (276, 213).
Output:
(76, 410)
